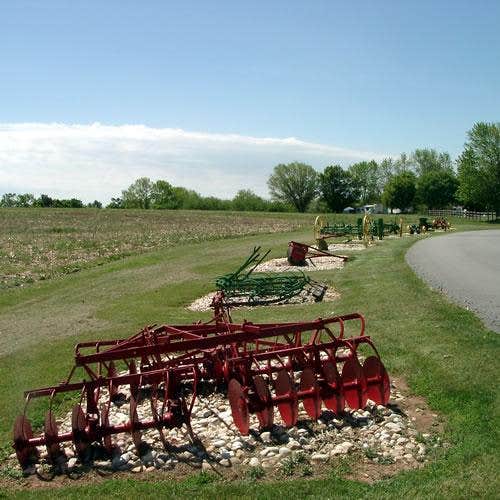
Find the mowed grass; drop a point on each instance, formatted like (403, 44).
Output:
(443, 351)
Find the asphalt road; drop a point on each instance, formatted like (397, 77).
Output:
(466, 267)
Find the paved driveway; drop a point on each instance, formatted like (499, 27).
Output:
(465, 266)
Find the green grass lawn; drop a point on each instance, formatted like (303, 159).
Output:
(443, 351)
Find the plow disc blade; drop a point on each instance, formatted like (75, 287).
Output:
(354, 384)
(106, 440)
(312, 401)
(78, 428)
(22, 432)
(379, 385)
(265, 414)
(239, 406)
(134, 420)
(287, 398)
(333, 396)
(54, 450)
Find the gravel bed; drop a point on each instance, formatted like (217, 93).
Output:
(315, 264)
(353, 245)
(383, 435)
(204, 303)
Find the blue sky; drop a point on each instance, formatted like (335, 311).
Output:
(347, 79)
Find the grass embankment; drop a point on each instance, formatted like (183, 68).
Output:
(443, 351)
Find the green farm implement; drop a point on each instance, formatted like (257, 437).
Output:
(246, 287)
(365, 229)
(388, 228)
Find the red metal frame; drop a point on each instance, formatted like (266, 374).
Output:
(257, 361)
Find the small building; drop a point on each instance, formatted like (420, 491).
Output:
(376, 208)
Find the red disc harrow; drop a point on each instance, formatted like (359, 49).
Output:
(262, 367)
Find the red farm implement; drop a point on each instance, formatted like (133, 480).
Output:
(262, 366)
(297, 253)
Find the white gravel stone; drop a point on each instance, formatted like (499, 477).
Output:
(266, 437)
(319, 458)
(294, 445)
(393, 427)
(284, 451)
(254, 462)
(342, 448)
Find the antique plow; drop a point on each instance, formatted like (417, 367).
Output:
(261, 366)
(364, 229)
(297, 253)
(324, 230)
(244, 287)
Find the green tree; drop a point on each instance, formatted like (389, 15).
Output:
(188, 199)
(365, 177)
(479, 168)
(25, 200)
(44, 201)
(295, 183)
(8, 200)
(337, 188)
(246, 199)
(400, 191)
(163, 195)
(386, 169)
(95, 204)
(115, 203)
(138, 194)
(437, 188)
(429, 160)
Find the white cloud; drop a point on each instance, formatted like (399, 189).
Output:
(98, 161)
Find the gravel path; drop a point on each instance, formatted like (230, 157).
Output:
(465, 266)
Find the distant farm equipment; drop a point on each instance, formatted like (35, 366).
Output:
(424, 225)
(365, 229)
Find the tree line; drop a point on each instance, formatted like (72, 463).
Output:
(27, 200)
(424, 179)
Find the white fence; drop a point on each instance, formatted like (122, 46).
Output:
(487, 216)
